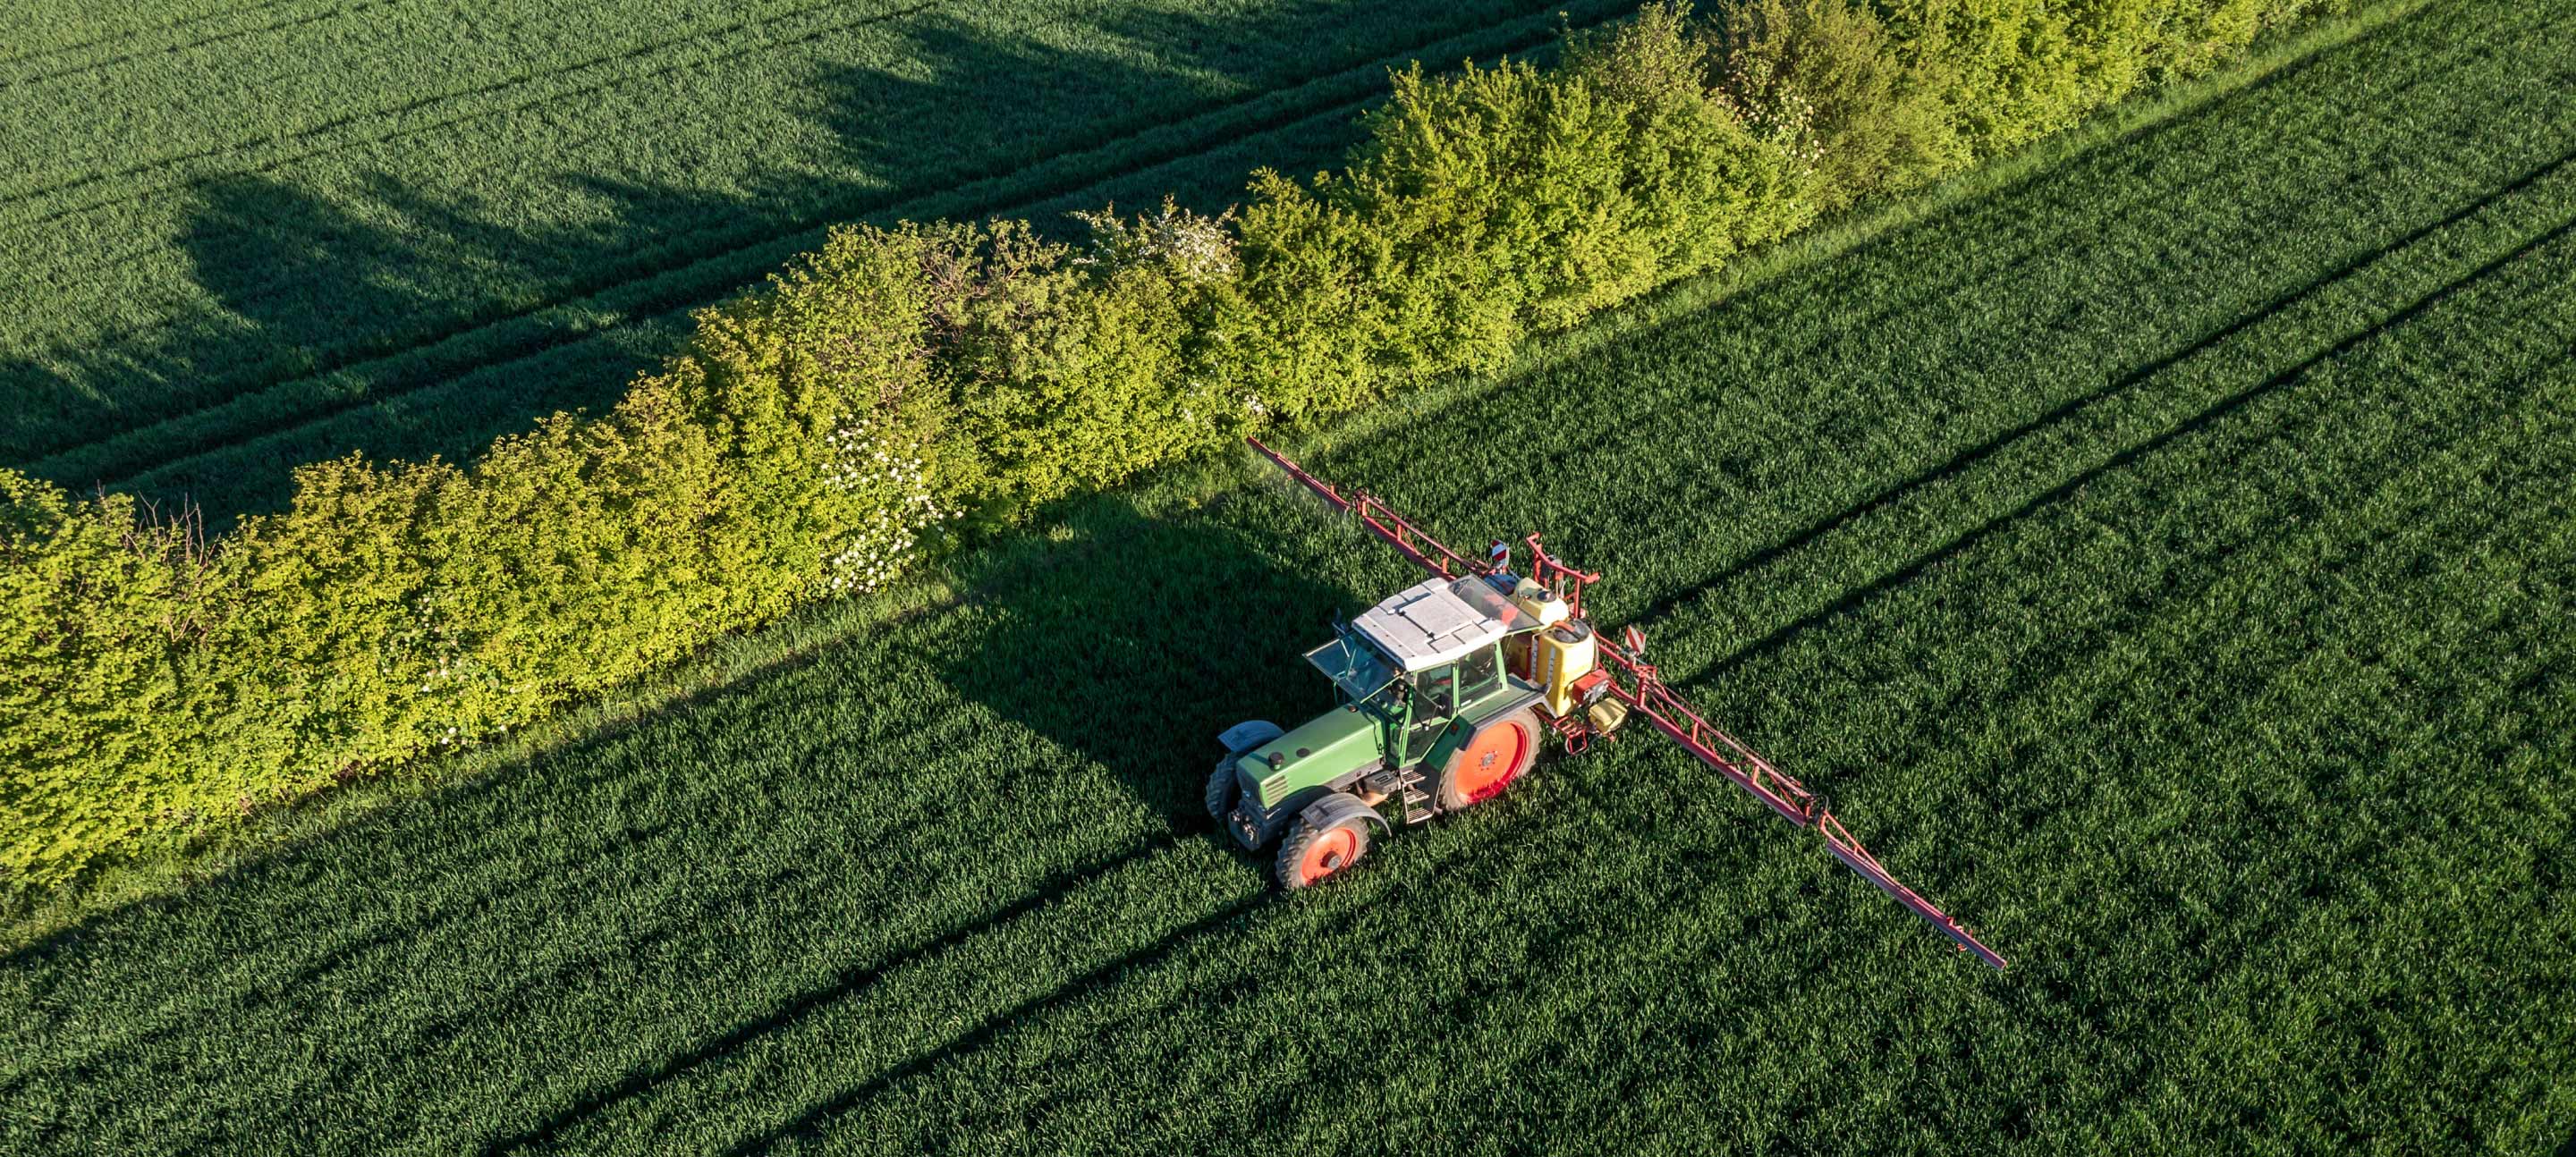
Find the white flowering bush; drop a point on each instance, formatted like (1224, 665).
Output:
(461, 698)
(871, 462)
(1197, 248)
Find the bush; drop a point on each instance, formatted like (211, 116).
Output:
(94, 601)
(1488, 205)
(1823, 80)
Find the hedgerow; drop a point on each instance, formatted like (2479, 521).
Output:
(903, 388)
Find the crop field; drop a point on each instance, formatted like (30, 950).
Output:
(239, 237)
(2163, 560)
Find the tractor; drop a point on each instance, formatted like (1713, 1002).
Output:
(1447, 691)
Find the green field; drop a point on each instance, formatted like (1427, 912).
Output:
(236, 239)
(2163, 560)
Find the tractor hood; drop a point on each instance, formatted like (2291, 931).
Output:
(1325, 748)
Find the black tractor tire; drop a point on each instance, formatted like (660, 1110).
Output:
(1314, 853)
(1491, 760)
(1221, 787)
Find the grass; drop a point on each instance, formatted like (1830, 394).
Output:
(2162, 558)
(237, 243)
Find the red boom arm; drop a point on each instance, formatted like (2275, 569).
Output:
(1645, 694)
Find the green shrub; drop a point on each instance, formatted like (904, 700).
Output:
(1300, 336)
(94, 602)
(1823, 79)
(1488, 205)
(1073, 371)
(1704, 184)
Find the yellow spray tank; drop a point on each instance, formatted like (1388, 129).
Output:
(1560, 652)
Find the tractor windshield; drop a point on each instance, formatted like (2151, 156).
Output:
(1480, 594)
(1357, 668)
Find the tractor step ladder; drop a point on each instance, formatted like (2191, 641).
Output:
(1417, 803)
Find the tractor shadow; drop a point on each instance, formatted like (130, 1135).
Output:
(1135, 639)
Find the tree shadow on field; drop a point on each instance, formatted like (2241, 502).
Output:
(401, 313)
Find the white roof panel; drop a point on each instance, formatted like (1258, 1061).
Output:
(1428, 624)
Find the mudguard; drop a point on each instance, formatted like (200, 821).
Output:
(1249, 734)
(1337, 807)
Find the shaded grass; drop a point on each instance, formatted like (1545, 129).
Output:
(2162, 560)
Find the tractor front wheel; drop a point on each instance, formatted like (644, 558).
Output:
(1220, 791)
(1314, 853)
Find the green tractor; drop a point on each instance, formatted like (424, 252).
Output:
(1433, 717)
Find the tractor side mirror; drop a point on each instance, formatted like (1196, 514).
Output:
(1634, 640)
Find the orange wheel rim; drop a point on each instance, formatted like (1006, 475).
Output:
(1329, 853)
(1490, 761)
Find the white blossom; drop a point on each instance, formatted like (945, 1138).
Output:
(866, 461)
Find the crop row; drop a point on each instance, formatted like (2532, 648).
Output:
(329, 82)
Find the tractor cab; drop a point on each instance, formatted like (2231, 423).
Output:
(1443, 636)
(1417, 656)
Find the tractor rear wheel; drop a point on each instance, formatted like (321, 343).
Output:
(1314, 853)
(1489, 761)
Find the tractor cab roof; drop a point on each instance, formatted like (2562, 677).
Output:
(1438, 621)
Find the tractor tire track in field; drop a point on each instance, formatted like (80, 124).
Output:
(421, 104)
(2186, 577)
(940, 937)
(849, 980)
(1968, 458)
(545, 1137)
(145, 30)
(7, 83)
(2232, 403)
(496, 339)
(991, 1027)
(1443, 860)
(232, 996)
